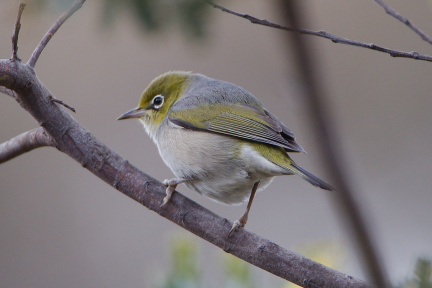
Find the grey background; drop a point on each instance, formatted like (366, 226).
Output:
(62, 227)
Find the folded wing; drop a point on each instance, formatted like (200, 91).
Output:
(240, 121)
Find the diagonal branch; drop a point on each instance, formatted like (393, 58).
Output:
(16, 32)
(25, 142)
(323, 34)
(389, 10)
(36, 53)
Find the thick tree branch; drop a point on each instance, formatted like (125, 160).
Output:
(323, 34)
(389, 10)
(36, 53)
(25, 142)
(16, 33)
(77, 142)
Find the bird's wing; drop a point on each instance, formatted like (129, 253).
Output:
(237, 120)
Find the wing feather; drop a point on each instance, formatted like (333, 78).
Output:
(239, 121)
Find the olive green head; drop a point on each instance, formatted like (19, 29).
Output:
(158, 97)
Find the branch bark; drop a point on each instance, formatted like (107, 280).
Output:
(77, 142)
(25, 142)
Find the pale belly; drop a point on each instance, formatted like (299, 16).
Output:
(220, 167)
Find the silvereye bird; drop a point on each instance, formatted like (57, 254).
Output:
(217, 138)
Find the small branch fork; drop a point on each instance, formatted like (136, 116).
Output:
(323, 34)
(25, 142)
(37, 52)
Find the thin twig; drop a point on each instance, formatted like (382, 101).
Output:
(8, 92)
(16, 33)
(323, 34)
(389, 10)
(25, 142)
(36, 53)
(62, 103)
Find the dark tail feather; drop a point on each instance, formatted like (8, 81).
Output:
(314, 180)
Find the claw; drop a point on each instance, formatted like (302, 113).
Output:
(169, 191)
(237, 224)
(165, 201)
(171, 186)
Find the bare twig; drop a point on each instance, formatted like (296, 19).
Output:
(36, 53)
(62, 103)
(344, 196)
(389, 10)
(25, 142)
(16, 33)
(323, 34)
(8, 92)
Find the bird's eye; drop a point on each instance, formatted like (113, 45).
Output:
(158, 101)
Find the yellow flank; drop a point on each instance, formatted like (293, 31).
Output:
(171, 86)
(274, 154)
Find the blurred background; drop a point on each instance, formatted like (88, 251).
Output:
(63, 227)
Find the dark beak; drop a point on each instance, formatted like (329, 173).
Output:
(134, 113)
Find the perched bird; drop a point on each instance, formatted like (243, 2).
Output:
(217, 138)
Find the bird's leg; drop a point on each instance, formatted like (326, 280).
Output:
(171, 186)
(243, 219)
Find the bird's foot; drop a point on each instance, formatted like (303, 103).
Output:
(171, 186)
(240, 223)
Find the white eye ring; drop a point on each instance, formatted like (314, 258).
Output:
(158, 101)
